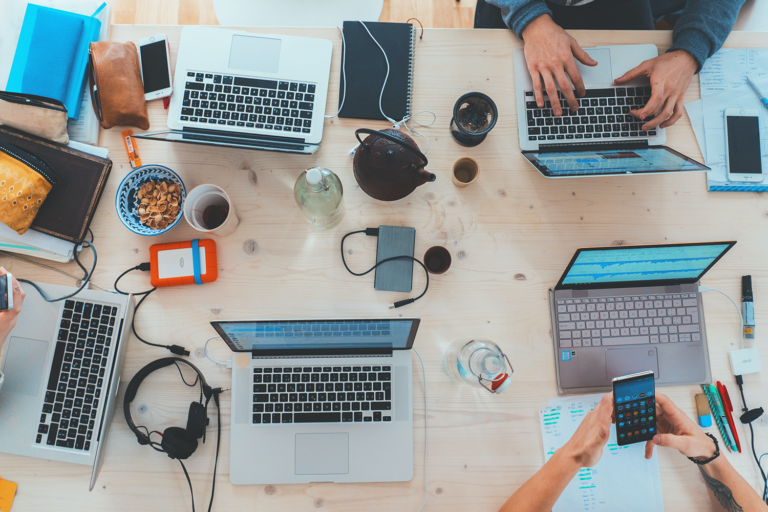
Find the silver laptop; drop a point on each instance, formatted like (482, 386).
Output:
(625, 309)
(602, 138)
(62, 370)
(321, 400)
(254, 91)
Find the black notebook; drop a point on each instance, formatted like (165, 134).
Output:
(366, 69)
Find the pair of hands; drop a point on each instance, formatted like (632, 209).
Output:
(676, 430)
(550, 54)
(8, 318)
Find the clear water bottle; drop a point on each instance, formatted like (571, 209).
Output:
(319, 194)
(479, 363)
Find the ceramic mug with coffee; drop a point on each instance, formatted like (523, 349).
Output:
(209, 209)
(465, 172)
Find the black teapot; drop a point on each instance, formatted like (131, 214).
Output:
(388, 164)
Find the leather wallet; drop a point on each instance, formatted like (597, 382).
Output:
(44, 117)
(117, 92)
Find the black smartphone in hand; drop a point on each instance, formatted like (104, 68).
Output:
(6, 292)
(634, 408)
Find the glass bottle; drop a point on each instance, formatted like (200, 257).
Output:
(319, 194)
(479, 363)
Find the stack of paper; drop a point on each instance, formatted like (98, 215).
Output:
(724, 85)
(623, 479)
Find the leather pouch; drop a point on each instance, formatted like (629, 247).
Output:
(119, 95)
(44, 117)
(25, 182)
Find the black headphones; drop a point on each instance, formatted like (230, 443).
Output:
(177, 442)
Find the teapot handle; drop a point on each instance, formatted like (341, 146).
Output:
(391, 139)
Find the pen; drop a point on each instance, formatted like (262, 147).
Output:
(748, 307)
(728, 406)
(757, 91)
(720, 413)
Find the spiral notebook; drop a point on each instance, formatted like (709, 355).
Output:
(366, 69)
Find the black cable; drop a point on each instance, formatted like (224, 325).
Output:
(216, 392)
(83, 283)
(740, 383)
(192, 494)
(375, 232)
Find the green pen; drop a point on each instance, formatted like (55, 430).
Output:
(719, 412)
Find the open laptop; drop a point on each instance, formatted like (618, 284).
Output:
(625, 309)
(246, 90)
(602, 138)
(321, 400)
(62, 371)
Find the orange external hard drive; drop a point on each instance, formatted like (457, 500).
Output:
(179, 263)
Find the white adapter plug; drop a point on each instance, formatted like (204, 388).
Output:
(745, 360)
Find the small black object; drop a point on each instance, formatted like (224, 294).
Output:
(716, 455)
(751, 415)
(474, 115)
(437, 259)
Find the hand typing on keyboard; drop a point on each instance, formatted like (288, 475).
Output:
(550, 54)
(670, 76)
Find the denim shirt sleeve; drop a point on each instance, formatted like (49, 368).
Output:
(517, 14)
(703, 27)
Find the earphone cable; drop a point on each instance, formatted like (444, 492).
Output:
(216, 393)
(740, 383)
(191, 493)
(86, 278)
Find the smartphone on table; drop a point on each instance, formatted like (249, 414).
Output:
(742, 148)
(6, 292)
(155, 59)
(634, 408)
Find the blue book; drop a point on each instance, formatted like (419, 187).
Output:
(52, 55)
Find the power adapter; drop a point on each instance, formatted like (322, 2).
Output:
(745, 360)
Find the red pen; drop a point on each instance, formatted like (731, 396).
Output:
(726, 399)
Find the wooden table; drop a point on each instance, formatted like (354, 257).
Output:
(510, 234)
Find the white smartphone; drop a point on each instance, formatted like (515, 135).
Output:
(155, 59)
(6, 292)
(742, 145)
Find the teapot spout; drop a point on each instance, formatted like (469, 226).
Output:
(423, 176)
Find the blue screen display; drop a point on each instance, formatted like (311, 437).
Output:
(615, 161)
(642, 263)
(318, 334)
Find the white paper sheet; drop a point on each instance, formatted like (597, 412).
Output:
(622, 480)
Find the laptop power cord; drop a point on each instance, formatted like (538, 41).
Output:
(145, 267)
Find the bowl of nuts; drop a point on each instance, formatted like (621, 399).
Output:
(150, 200)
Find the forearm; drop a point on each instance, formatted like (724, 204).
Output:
(517, 14)
(545, 487)
(703, 27)
(728, 490)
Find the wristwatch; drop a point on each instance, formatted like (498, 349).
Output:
(714, 456)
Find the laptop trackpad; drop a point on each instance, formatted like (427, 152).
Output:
(624, 361)
(24, 366)
(260, 54)
(322, 454)
(600, 74)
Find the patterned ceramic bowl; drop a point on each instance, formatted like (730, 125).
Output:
(127, 203)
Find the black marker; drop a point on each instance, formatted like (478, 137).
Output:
(748, 307)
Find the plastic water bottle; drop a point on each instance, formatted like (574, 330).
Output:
(319, 194)
(479, 363)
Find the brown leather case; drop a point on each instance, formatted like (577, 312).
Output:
(114, 69)
(69, 208)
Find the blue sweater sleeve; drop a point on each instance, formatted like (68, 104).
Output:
(703, 27)
(517, 14)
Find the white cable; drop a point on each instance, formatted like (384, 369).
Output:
(205, 349)
(426, 432)
(738, 311)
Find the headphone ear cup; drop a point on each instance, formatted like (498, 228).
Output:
(197, 420)
(178, 443)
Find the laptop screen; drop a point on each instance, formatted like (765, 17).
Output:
(650, 265)
(311, 337)
(611, 162)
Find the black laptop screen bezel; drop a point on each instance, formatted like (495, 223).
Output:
(216, 324)
(632, 284)
(531, 157)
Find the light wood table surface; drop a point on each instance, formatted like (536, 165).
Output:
(510, 234)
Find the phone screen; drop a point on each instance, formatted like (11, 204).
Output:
(3, 292)
(154, 66)
(743, 145)
(634, 407)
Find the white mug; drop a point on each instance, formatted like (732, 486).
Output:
(200, 198)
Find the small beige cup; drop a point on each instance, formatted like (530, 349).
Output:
(465, 171)
(199, 199)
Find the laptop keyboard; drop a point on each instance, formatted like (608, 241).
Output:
(77, 375)
(322, 394)
(628, 320)
(603, 113)
(248, 102)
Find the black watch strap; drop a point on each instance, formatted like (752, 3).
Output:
(714, 456)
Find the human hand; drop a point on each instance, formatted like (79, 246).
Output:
(677, 430)
(8, 318)
(549, 53)
(586, 444)
(670, 76)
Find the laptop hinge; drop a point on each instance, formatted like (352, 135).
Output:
(236, 135)
(592, 146)
(317, 353)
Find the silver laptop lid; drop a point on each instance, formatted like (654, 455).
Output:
(641, 265)
(301, 337)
